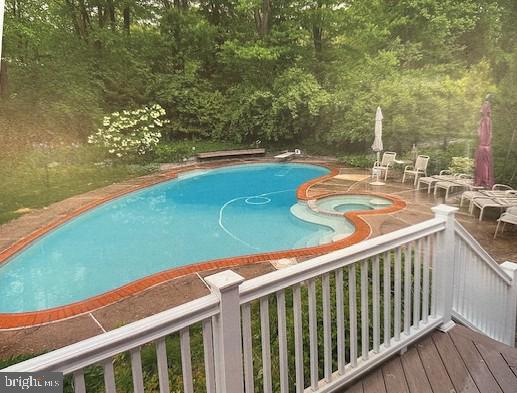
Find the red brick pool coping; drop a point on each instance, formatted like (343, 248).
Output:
(26, 319)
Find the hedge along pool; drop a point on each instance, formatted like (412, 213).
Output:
(201, 216)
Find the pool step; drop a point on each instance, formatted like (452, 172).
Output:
(340, 226)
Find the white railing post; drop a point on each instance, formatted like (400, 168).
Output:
(227, 332)
(511, 269)
(444, 269)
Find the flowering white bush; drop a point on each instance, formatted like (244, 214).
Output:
(130, 132)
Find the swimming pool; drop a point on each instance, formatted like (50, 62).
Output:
(202, 216)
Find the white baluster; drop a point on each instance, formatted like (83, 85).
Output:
(208, 355)
(425, 280)
(109, 376)
(266, 344)
(163, 368)
(136, 370)
(79, 385)
(186, 360)
(417, 284)
(353, 314)
(407, 288)
(340, 322)
(327, 334)
(282, 342)
(398, 293)
(298, 338)
(376, 303)
(434, 277)
(313, 335)
(364, 310)
(387, 298)
(247, 347)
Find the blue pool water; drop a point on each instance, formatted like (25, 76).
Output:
(203, 216)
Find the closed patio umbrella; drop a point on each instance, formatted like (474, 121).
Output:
(377, 142)
(484, 169)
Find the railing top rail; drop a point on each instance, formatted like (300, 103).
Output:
(95, 349)
(270, 283)
(480, 251)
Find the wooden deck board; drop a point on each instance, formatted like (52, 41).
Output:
(394, 378)
(414, 372)
(357, 388)
(476, 366)
(374, 382)
(434, 367)
(499, 368)
(458, 373)
(458, 361)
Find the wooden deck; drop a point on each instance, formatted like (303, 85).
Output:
(458, 361)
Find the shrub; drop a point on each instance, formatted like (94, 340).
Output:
(358, 160)
(461, 165)
(130, 133)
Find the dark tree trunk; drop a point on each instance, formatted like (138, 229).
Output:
(317, 30)
(100, 15)
(84, 18)
(127, 19)
(110, 9)
(263, 18)
(317, 38)
(73, 17)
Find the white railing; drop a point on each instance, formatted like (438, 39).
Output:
(485, 293)
(316, 325)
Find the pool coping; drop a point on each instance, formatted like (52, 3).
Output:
(33, 318)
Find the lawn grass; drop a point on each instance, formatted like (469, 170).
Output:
(36, 178)
(26, 186)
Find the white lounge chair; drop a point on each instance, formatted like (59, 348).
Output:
(510, 200)
(420, 168)
(388, 158)
(462, 181)
(430, 181)
(498, 190)
(508, 217)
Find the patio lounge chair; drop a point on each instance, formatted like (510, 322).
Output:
(510, 200)
(498, 190)
(432, 180)
(461, 181)
(388, 158)
(509, 216)
(420, 168)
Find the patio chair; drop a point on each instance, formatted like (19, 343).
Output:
(388, 158)
(462, 181)
(508, 217)
(510, 200)
(420, 168)
(432, 180)
(497, 190)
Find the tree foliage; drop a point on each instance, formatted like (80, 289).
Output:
(283, 72)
